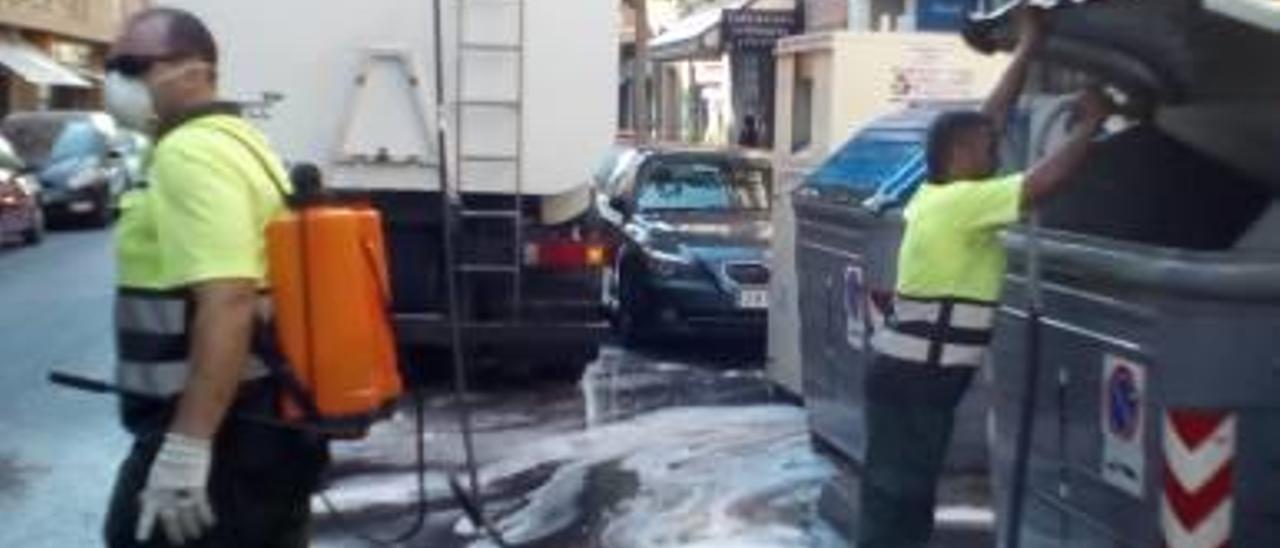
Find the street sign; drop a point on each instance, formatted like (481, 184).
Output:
(943, 15)
(747, 29)
(1124, 386)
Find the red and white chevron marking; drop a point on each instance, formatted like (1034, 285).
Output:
(1199, 450)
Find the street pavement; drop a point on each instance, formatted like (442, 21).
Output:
(58, 448)
(685, 444)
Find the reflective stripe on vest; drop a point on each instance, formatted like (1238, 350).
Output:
(942, 332)
(153, 343)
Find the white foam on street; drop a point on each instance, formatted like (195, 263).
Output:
(966, 516)
(710, 477)
(382, 490)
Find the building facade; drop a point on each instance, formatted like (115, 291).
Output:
(52, 51)
(714, 72)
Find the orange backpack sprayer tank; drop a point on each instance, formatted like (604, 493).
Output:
(329, 284)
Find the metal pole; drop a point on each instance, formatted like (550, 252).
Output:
(450, 252)
(640, 72)
(1026, 412)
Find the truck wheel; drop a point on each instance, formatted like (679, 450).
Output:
(632, 319)
(572, 361)
(35, 234)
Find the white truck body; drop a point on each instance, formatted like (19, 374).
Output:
(299, 62)
(529, 106)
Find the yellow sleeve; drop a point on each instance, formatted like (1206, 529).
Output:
(204, 217)
(995, 203)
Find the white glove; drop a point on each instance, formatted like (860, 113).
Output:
(176, 493)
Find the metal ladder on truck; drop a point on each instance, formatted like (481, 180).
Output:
(488, 194)
(488, 188)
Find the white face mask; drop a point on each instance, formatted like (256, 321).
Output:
(130, 102)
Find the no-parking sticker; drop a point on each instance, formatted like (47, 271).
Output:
(1123, 418)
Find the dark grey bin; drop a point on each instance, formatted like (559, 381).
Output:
(1158, 420)
(847, 240)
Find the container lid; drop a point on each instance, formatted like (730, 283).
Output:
(1175, 51)
(880, 166)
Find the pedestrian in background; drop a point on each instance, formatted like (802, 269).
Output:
(951, 266)
(192, 270)
(749, 135)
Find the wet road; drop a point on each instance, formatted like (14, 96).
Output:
(686, 445)
(58, 448)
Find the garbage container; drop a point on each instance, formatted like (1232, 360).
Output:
(849, 227)
(1158, 420)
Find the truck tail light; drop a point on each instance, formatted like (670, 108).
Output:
(559, 254)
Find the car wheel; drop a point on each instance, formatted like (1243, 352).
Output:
(632, 319)
(35, 233)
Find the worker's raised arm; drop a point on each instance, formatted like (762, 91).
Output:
(1052, 173)
(1005, 95)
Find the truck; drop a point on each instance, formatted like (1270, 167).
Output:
(521, 95)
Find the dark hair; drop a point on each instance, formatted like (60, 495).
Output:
(187, 34)
(943, 133)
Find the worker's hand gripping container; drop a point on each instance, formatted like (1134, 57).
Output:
(331, 296)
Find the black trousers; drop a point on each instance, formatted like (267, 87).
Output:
(260, 484)
(910, 414)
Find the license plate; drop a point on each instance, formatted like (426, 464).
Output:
(81, 206)
(753, 299)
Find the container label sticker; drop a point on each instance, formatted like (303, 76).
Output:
(1124, 387)
(855, 308)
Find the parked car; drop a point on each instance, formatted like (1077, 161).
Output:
(21, 217)
(80, 158)
(690, 237)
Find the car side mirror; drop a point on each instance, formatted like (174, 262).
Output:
(621, 205)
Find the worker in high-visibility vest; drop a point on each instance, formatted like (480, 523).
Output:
(950, 269)
(192, 272)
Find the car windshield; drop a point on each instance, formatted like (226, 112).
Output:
(78, 140)
(35, 137)
(704, 186)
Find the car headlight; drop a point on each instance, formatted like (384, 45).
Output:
(666, 264)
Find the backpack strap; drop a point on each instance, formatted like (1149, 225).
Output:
(265, 343)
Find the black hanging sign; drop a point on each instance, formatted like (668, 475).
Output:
(747, 29)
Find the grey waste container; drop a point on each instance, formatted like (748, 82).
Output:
(849, 226)
(1158, 421)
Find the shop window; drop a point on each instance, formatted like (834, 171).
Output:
(802, 114)
(625, 100)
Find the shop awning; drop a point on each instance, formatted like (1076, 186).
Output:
(34, 66)
(697, 35)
